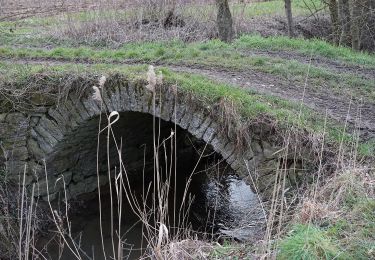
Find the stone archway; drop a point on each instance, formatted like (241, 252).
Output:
(30, 137)
(56, 135)
(63, 136)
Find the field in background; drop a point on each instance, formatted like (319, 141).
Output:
(112, 23)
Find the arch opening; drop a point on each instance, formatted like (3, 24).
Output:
(166, 171)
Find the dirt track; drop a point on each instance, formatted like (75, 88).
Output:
(338, 107)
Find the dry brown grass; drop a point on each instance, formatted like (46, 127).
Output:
(20, 9)
(143, 20)
(187, 249)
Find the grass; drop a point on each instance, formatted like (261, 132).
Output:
(230, 250)
(307, 242)
(267, 8)
(362, 244)
(246, 42)
(355, 231)
(209, 54)
(340, 223)
(313, 46)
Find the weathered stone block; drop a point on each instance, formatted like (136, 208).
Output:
(138, 96)
(45, 146)
(132, 97)
(51, 127)
(46, 135)
(35, 150)
(114, 94)
(3, 117)
(256, 147)
(269, 151)
(60, 120)
(236, 164)
(124, 97)
(180, 112)
(92, 106)
(228, 150)
(203, 127)
(70, 119)
(196, 121)
(107, 100)
(210, 133)
(187, 118)
(80, 108)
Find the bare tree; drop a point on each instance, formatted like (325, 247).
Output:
(289, 17)
(356, 22)
(334, 13)
(224, 21)
(344, 16)
(350, 20)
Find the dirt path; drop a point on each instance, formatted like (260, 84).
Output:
(324, 101)
(340, 108)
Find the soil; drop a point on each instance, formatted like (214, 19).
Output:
(342, 108)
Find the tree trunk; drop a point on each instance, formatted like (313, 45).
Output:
(356, 23)
(334, 13)
(344, 14)
(224, 21)
(289, 17)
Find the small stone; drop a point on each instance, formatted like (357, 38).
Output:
(3, 117)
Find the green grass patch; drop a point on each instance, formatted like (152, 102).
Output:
(308, 242)
(367, 148)
(308, 47)
(356, 233)
(275, 7)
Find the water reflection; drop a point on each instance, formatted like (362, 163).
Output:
(230, 207)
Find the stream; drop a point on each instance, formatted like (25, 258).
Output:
(222, 208)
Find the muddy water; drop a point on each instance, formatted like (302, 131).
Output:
(221, 207)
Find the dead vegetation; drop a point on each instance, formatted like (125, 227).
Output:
(114, 23)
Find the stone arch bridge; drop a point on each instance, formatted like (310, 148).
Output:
(63, 136)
